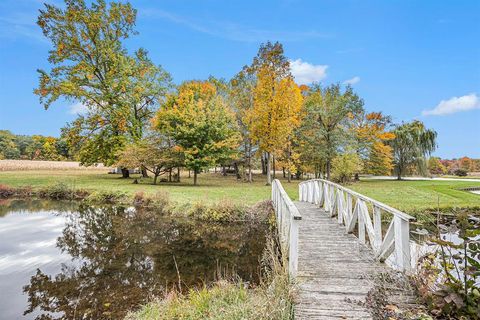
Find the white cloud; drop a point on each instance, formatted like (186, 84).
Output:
(454, 104)
(78, 108)
(352, 81)
(306, 73)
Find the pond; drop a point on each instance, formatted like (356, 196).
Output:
(64, 260)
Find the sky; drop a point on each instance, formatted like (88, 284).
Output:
(408, 59)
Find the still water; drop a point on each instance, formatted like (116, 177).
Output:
(63, 260)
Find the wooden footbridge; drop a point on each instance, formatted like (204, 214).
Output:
(335, 243)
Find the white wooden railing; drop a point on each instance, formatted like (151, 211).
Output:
(352, 209)
(287, 216)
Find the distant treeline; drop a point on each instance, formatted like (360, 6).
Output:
(453, 166)
(35, 147)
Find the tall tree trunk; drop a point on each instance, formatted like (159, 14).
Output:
(224, 170)
(178, 174)
(125, 173)
(249, 162)
(274, 168)
(155, 178)
(289, 165)
(144, 172)
(328, 169)
(269, 171)
(264, 163)
(284, 174)
(399, 173)
(189, 173)
(195, 177)
(170, 175)
(237, 172)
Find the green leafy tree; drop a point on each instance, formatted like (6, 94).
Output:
(92, 66)
(241, 97)
(412, 143)
(8, 147)
(328, 114)
(200, 123)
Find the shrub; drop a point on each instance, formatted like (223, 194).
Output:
(460, 173)
(220, 212)
(106, 196)
(345, 166)
(6, 191)
(448, 278)
(59, 191)
(159, 201)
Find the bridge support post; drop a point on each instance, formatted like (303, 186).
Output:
(402, 243)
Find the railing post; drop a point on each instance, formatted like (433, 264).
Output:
(293, 248)
(377, 225)
(310, 192)
(402, 243)
(361, 222)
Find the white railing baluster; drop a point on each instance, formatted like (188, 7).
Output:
(361, 221)
(377, 225)
(288, 216)
(353, 211)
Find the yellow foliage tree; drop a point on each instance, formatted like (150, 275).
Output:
(372, 136)
(277, 103)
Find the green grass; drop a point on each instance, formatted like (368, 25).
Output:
(409, 196)
(415, 196)
(211, 187)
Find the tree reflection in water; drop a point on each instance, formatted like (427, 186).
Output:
(122, 258)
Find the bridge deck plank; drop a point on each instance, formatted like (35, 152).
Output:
(334, 269)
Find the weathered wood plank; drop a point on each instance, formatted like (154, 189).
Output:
(334, 268)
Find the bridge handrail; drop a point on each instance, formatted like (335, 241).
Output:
(351, 209)
(287, 218)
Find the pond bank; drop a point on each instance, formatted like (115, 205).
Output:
(120, 257)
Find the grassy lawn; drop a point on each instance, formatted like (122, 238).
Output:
(211, 187)
(409, 196)
(414, 196)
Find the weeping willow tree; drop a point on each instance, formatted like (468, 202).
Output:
(412, 144)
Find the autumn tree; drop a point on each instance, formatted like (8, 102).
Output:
(155, 154)
(328, 112)
(92, 66)
(277, 101)
(467, 164)
(435, 166)
(371, 136)
(412, 143)
(200, 123)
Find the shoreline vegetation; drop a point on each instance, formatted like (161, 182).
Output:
(420, 198)
(231, 299)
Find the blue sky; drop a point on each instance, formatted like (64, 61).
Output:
(409, 59)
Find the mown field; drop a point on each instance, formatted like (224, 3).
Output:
(415, 196)
(211, 187)
(409, 196)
